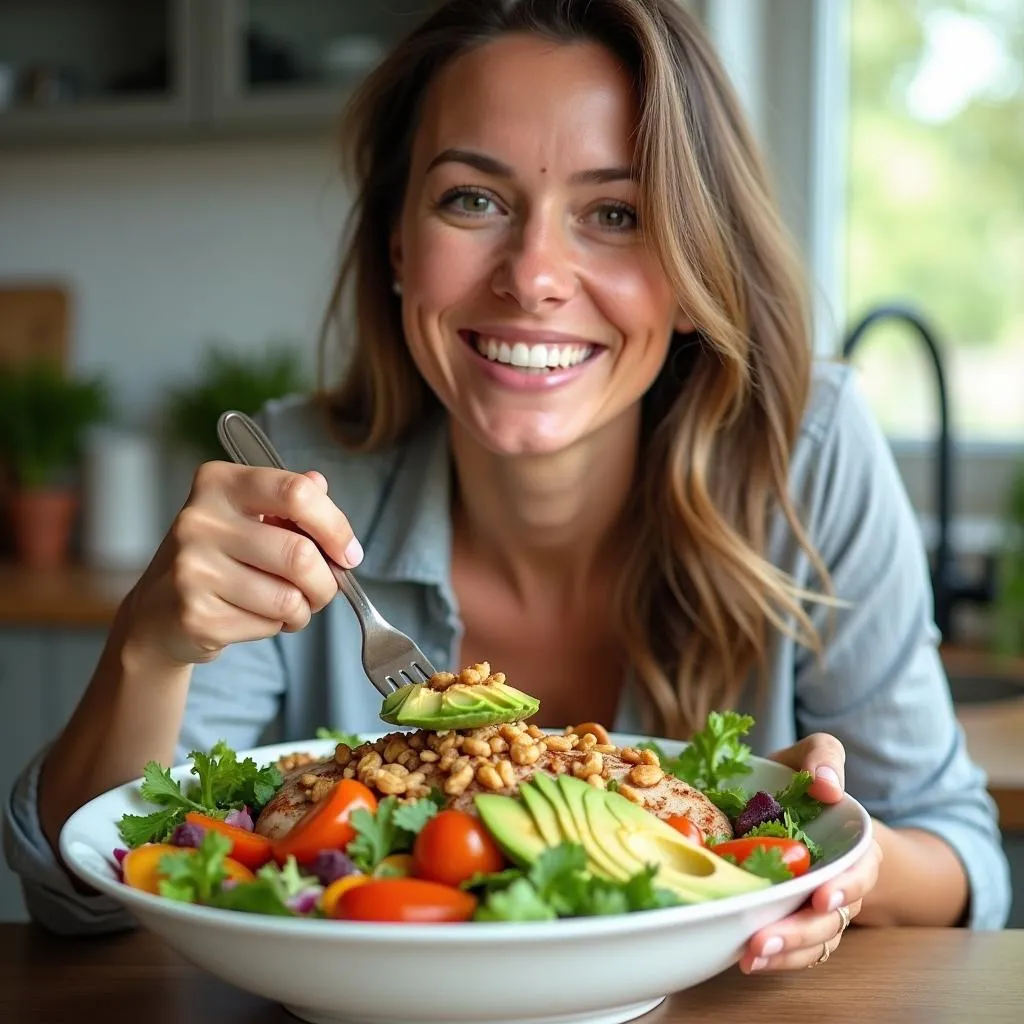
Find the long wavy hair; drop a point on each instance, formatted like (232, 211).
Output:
(697, 602)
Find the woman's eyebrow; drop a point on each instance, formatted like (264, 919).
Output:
(489, 165)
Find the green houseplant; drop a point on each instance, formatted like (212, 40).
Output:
(1009, 608)
(229, 380)
(44, 414)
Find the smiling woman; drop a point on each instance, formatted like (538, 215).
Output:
(579, 435)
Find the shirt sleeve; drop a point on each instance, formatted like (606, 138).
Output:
(232, 698)
(880, 686)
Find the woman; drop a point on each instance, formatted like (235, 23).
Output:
(581, 438)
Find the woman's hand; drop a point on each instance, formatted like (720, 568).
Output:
(233, 568)
(812, 934)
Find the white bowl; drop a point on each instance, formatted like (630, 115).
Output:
(595, 970)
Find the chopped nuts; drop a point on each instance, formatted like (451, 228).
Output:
(649, 757)
(409, 758)
(561, 743)
(308, 780)
(321, 788)
(343, 754)
(476, 748)
(456, 783)
(498, 744)
(369, 762)
(291, 762)
(588, 741)
(630, 794)
(597, 781)
(395, 746)
(441, 680)
(428, 756)
(507, 773)
(630, 755)
(390, 784)
(645, 775)
(524, 753)
(488, 777)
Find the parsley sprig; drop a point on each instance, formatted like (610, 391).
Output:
(223, 783)
(392, 829)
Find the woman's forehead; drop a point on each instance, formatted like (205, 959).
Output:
(531, 102)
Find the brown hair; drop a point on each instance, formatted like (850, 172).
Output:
(697, 598)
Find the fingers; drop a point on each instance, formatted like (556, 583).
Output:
(294, 564)
(824, 757)
(796, 942)
(851, 886)
(294, 497)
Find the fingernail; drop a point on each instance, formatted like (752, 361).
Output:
(354, 553)
(836, 901)
(826, 774)
(759, 964)
(772, 946)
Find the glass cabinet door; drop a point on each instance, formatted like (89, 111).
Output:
(297, 59)
(84, 68)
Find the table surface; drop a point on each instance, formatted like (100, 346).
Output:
(940, 976)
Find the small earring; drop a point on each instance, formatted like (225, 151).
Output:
(396, 287)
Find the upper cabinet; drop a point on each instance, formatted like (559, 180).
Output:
(103, 70)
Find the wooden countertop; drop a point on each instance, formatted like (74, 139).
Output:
(76, 596)
(943, 976)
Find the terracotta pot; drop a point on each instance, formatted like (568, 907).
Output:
(41, 522)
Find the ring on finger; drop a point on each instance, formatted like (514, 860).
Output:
(825, 954)
(844, 919)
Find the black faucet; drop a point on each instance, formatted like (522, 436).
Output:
(947, 587)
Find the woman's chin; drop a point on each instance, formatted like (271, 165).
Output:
(524, 435)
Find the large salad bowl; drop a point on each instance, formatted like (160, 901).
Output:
(586, 970)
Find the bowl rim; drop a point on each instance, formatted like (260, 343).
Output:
(73, 836)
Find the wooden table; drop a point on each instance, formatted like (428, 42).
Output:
(908, 975)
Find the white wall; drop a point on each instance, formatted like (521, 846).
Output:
(170, 247)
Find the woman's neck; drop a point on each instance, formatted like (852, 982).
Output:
(549, 521)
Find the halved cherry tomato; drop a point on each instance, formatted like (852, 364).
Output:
(326, 825)
(247, 848)
(454, 846)
(795, 855)
(330, 896)
(141, 866)
(682, 824)
(405, 900)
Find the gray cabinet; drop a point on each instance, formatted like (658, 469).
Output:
(109, 70)
(43, 673)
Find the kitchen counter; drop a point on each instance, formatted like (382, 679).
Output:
(75, 596)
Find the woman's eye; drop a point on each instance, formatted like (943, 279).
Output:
(615, 217)
(474, 203)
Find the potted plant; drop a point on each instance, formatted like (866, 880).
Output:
(1009, 608)
(44, 414)
(230, 380)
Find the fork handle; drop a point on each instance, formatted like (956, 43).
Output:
(248, 445)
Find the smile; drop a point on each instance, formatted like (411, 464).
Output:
(533, 358)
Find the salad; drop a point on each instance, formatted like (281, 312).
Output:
(495, 820)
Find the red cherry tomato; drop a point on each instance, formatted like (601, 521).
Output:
(795, 855)
(682, 824)
(326, 825)
(452, 847)
(247, 848)
(405, 900)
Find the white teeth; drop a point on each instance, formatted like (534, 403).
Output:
(532, 357)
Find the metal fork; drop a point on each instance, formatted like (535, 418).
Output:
(390, 658)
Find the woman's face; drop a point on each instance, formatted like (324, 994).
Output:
(530, 304)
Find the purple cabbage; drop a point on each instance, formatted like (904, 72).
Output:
(330, 865)
(761, 807)
(187, 834)
(119, 855)
(305, 902)
(240, 819)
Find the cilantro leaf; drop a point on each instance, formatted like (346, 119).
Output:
(730, 801)
(795, 799)
(714, 755)
(159, 788)
(195, 877)
(519, 902)
(787, 829)
(767, 863)
(490, 882)
(391, 830)
(350, 739)
(270, 893)
(136, 829)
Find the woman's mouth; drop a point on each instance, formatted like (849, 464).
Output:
(537, 359)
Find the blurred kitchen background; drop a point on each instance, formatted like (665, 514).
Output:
(170, 209)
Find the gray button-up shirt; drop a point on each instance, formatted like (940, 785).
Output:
(880, 687)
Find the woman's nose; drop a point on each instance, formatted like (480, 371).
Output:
(537, 271)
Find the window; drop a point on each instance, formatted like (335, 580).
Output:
(935, 208)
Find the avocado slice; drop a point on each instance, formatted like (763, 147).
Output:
(684, 867)
(459, 706)
(575, 793)
(510, 824)
(542, 812)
